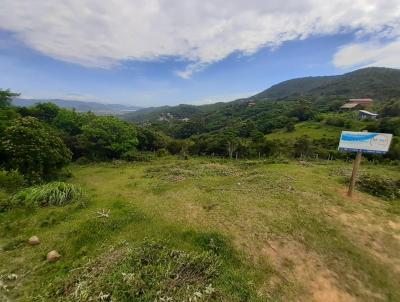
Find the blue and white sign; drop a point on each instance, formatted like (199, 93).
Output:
(365, 142)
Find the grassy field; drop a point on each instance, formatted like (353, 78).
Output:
(314, 130)
(207, 230)
(318, 130)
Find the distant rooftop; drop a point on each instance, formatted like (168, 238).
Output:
(349, 105)
(368, 113)
(353, 103)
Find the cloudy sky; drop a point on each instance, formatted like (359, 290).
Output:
(157, 52)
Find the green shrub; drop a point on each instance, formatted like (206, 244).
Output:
(162, 152)
(3, 201)
(51, 194)
(380, 186)
(11, 180)
(290, 127)
(107, 137)
(35, 149)
(319, 117)
(335, 121)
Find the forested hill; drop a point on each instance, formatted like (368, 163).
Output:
(181, 111)
(374, 82)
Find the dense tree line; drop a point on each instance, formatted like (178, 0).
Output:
(241, 128)
(39, 140)
(262, 116)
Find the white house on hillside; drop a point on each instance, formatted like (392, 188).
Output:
(364, 114)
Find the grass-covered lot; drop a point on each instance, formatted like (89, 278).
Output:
(206, 230)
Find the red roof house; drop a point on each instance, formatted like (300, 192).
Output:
(357, 103)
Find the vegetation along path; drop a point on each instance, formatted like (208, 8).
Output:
(206, 230)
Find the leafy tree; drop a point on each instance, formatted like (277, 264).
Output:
(335, 121)
(391, 109)
(390, 125)
(106, 137)
(69, 121)
(394, 151)
(45, 112)
(303, 147)
(335, 105)
(302, 110)
(150, 140)
(6, 97)
(257, 136)
(244, 148)
(178, 146)
(246, 128)
(34, 149)
(187, 129)
(7, 115)
(232, 146)
(275, 147)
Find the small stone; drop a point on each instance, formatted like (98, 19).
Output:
(53, 256)
(34, 240)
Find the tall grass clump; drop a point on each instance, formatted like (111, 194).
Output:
(151, 271)
(50, 194)
(380, 186)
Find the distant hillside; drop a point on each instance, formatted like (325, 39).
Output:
(80, 105)
(171, 112)
(374, 82)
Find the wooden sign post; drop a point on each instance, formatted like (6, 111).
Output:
(353, 178)
(377, 143)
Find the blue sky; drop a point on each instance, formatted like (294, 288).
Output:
(202, 58)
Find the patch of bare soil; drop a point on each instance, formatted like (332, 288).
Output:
(368, 226)
(356, 196)
(379, 236)
(394, 225)
(295, 263)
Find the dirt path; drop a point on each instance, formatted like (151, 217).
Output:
(296, 264)
(372, 229)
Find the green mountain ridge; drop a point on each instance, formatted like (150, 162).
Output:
(374, 82)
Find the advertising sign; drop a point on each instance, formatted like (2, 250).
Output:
(365, 142)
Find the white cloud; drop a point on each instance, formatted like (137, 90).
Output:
(369, 54)
(103, 33)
